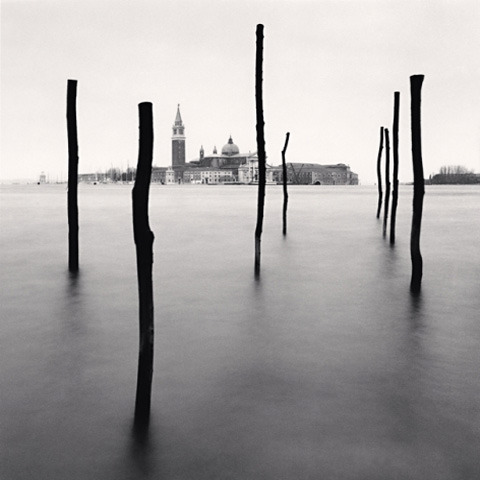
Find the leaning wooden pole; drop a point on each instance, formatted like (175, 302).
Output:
(387, 181)
(379, 174)
(393, 218)
(418, 182)
(285, 192)
(260, 146)
(72, 194)
(144, 237)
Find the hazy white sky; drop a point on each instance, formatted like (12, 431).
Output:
(330, 70)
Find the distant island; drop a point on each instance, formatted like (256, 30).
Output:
(227, 166)
(454, 175)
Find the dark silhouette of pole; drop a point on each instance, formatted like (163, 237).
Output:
(379, 174)
(72, 193)
(396, 112)
(285, 193)
(144, 237)
(260, 146)
(418, 182)
(387, 181)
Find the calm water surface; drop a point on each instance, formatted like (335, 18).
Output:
(326, 367)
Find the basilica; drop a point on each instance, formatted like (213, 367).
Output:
(232, 166)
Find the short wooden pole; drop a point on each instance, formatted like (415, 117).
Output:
(144, 237)
(72, 192)
(379, 174)
(418, 182)
(285, 192)
(260, 146)
(393, 219)
(387, 181)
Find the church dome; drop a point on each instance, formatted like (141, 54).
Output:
(230, 148)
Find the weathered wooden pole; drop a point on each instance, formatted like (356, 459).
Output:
(144, 237)
(418, 182)
(396, 112)
(260, 146)
(285, 193)
(387, 181)
(72, 191)
(379, 174)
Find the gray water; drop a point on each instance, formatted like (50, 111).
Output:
(326, 367)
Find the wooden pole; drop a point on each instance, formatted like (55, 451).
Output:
(144, 237)
(260, 146)
(418, 182)
(387, 181)
(379, 174)
(396, 112)
(285, 193)
(72, 191)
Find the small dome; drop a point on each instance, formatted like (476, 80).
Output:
(230, 148)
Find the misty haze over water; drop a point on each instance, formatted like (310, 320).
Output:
(326, 367)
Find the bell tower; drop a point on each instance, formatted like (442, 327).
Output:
(178, 141)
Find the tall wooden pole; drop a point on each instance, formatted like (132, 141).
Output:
(387, 181)
(72, 203)
(144, 237)
(285, 193)
(396, 112)
(260, 146)
(379, 174)
(418, 182)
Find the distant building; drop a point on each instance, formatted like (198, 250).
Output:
(93, 178)
(208, 175)
(316, 174)
(229, 158)
(159, 175)
(42, 178)
(171, 176)
(248, 172)
(178, 145)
